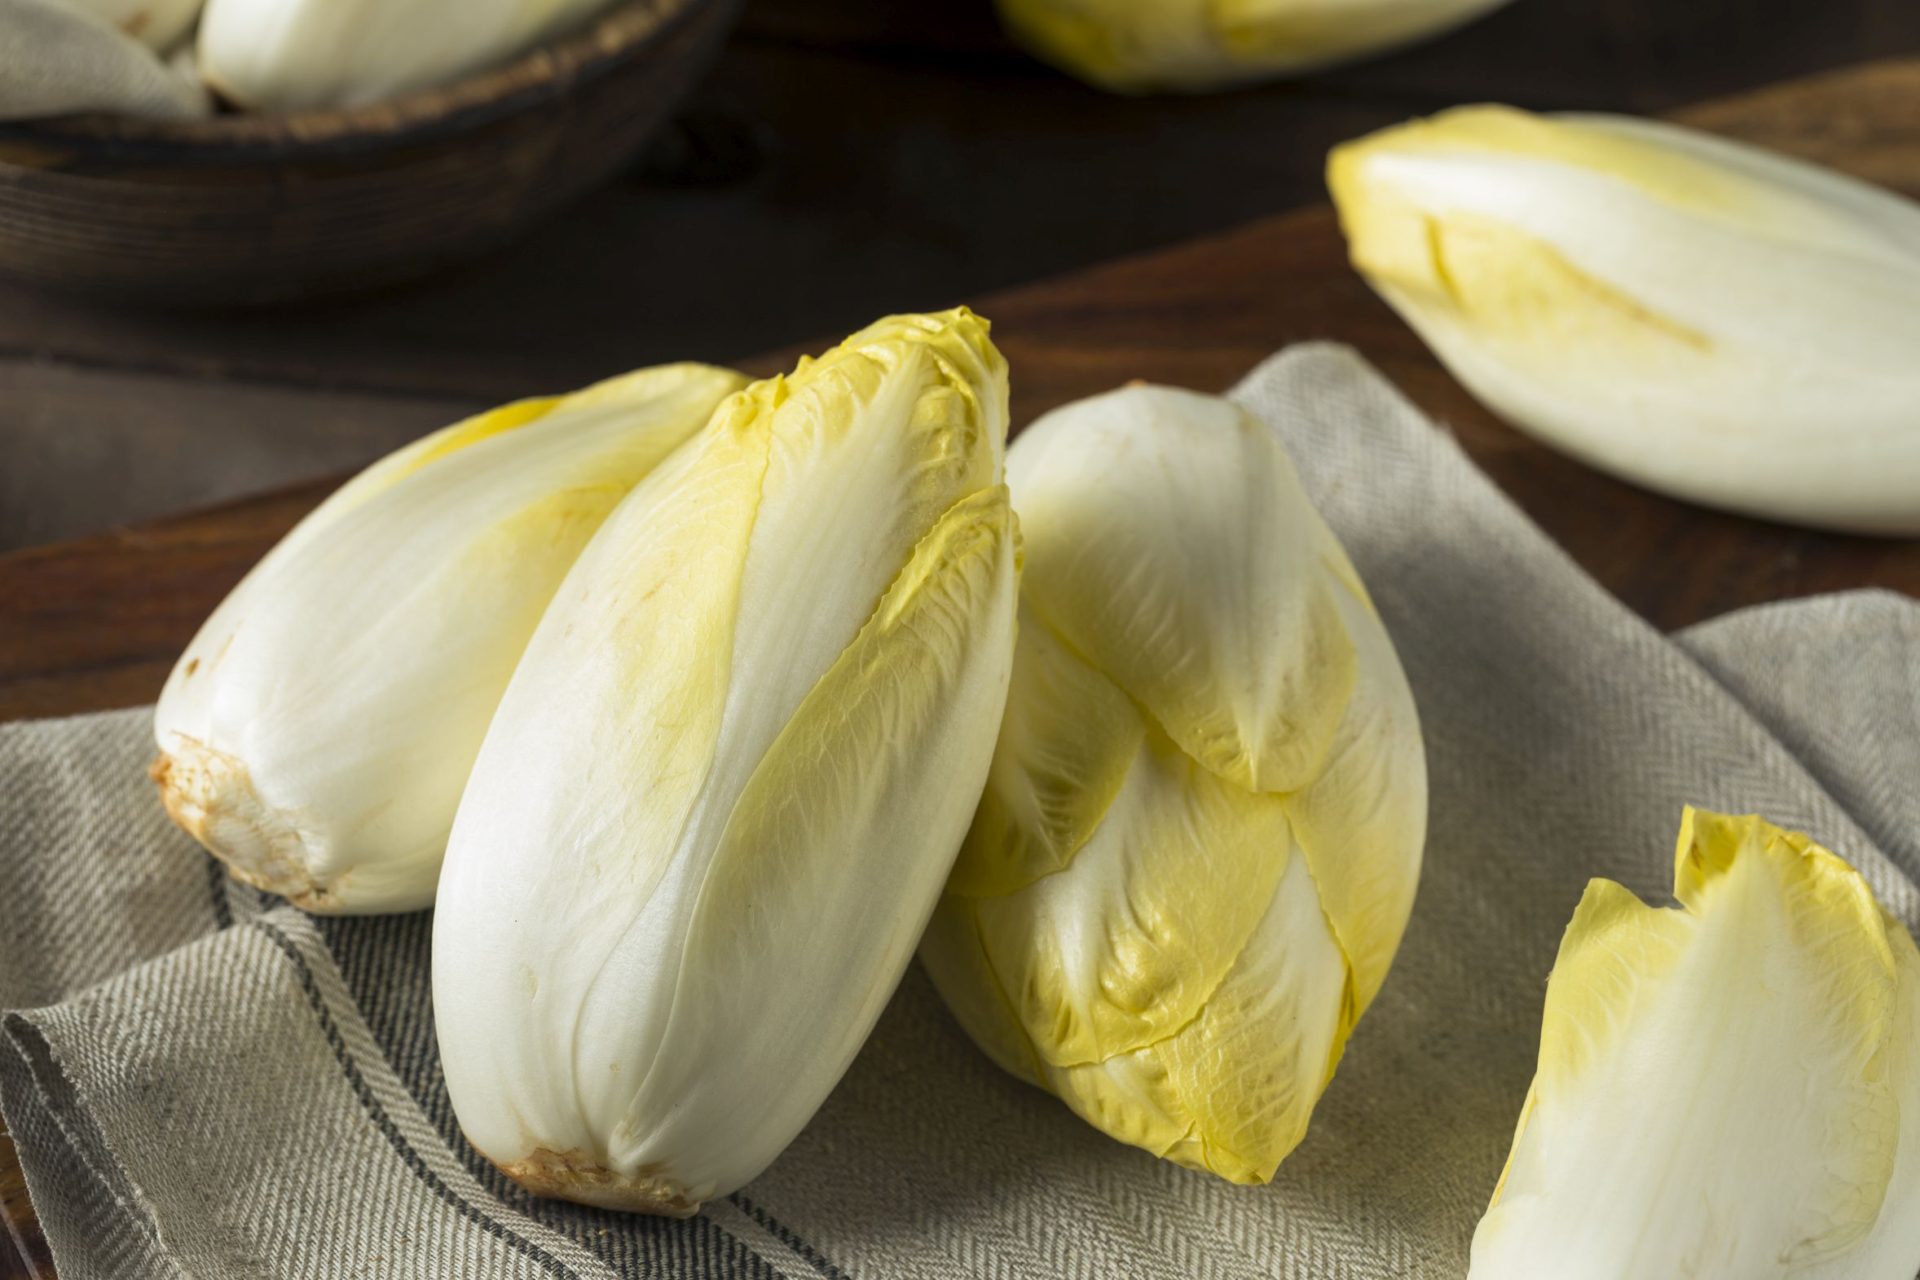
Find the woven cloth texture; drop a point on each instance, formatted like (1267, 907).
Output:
(204, 1083)
(58, 59)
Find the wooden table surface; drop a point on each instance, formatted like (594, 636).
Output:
(96, 623)
(846, 158)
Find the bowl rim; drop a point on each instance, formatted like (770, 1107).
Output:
(542, 75)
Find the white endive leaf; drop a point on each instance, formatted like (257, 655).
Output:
(1170, 543)
(1697, 316)
(1727, 1090)
(317, 732)
(1136, 46)
(730, 776)
(1202, 830)
(286, 55)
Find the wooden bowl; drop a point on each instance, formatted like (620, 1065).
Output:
(238, 209)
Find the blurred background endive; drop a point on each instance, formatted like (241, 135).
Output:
(842, 158)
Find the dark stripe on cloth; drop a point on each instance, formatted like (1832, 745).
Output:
(217, 882)
(384, 1123)
(386, 963)
(785, 1235)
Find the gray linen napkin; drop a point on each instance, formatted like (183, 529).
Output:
(58, 59)
(203, 1083)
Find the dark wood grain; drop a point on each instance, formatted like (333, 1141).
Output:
(881, 156)
(23, 1250)
(96, 623)
(82, 441)
(91, 622)
(1625, 54)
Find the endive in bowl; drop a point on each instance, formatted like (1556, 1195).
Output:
(286, 55)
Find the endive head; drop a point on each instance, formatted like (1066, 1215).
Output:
(317, 732)
(722, 793)
(1701, 317)
(1202, 829)
(1139, 46)
(1728, 1089)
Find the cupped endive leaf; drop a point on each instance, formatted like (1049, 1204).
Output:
(286, 55)
(719, 799)
(1201, 834)
(1124, 946)
(1231, 1091)
(317, 732)
(1727, 1089)
(1067, 743)
(1697, 316)
(1170, 543)
(1143, 46)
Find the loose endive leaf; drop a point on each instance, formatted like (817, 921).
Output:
(716, 806)
(317, 732)
(1728, 1089)
(1138, 46)
(1202, 830)
(285, 55)
(1700, 317)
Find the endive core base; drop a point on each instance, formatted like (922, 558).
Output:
(572, 1175)
(209, 795)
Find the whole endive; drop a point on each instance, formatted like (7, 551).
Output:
(1202, 831)
(284, 55)
(1727, 1090)
(1139, 46)
(722, 792)
(1700, 317)
(317, 732)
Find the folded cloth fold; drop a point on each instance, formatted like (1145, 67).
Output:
(204, 1083)
(58, 59)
